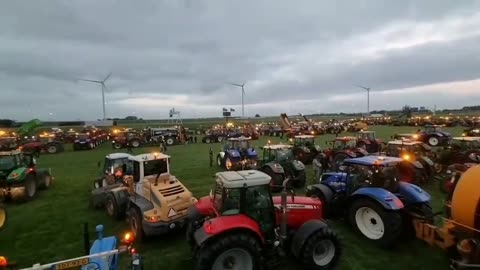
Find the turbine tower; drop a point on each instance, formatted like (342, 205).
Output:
(368, 97)
(102, 83)
(243, 96)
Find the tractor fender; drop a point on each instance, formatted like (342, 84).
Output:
(303, 233)
(225, 224)
(384, 197)
(413, 193)
(221, 154)
(276, 167)
(325, 191)
(121, 196)
(298, 165)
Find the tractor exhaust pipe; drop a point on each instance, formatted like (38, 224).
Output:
(284, 194)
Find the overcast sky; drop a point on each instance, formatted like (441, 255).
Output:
(295, 56)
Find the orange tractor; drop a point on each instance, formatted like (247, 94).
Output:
(460, 233)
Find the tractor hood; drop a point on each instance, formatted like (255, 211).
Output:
(251, 152)
(298, 165)
(441, 134)
(17, 174)
(300, 209)
(233, 153)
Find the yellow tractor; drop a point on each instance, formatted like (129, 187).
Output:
(460, 232)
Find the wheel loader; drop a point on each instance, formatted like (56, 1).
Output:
(460, 232)
(154, 201)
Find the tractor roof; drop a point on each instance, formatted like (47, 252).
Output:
(277, 146)
(374, 160)
(238, 179)
(404, 142)
(241, 138)
(304, 137)
(10, 153)
(466, 138)
(149, 156)
(118, 155)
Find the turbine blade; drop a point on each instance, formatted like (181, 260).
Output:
(366, 88)
(108, 76)
(85, 80)
(236, 84)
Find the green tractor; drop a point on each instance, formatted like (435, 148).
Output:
(20, 178)
(279, 163)
(304, 148)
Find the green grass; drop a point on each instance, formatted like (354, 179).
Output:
(50, 227)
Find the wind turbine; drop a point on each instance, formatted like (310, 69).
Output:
(102, 83)
(368, 97)
(243, 95)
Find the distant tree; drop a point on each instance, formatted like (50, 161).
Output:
(257, 115)
(407, 111)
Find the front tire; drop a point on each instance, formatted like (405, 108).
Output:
(170, 141)
(322, 250)
(117, 145)
(231, 251)
(52, 149)
(135, 143)
(112, 207)
(45, 181)
(135, 222)
(30, 188)
(376, 224)
(433, 141)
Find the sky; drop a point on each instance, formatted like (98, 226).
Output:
(294, 56)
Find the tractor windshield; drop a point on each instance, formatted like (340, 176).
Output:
(83, 136)
(155, 167)
(7, 162)
(284, 154)
(305, 141)
(343, 144)
(243, 144)
(227, 201)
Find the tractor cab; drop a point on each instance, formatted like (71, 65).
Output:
(277, 153)
(304, 148)
(368, 141)
(247, 193)
(342, 143)
(432, 129)
(11, 160)
(241, 143)
(115, 166)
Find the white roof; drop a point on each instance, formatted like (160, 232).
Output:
(366, 131)
(277, 146)
(466, 138)
(237, 179)
(149, 156)
(241, 138)
(304, 137)
(118, 155)
(9, 153)
(400, 142)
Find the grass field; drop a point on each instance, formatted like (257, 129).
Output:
(50, 227)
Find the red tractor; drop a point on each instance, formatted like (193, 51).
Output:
(368, 141)
(340, 149)
(241, 226)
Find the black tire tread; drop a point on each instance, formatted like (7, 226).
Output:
(308, 248)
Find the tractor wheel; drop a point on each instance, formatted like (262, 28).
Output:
(52, 148)
(30, 188)
(300, 179)
(207, 140)
(45, 180)
(112, 207)
(135, 221)
(170, 141)
(135, 143)
(380, 226)
(322, 250)
(237, 250)
(220, 139)
(433, 140)
(219, 161)
(117, 145)
(277, 179)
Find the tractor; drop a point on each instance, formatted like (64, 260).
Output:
(304, 148)
(103, 254)
(368, 141)
(45, 142)
(237, 154)
(418, 166)
(279, 163)
(472, 132)
(357, 126)
(460, 232)
(431, 135)
(463, 150)
(20, 178)
(154, 201)
(340, 149)
(115, 166)
(84, 141)
(213, 136)
(241, 226)
(368, 192)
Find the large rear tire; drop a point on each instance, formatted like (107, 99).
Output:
(322, 250)
(378, 225)
(135, 222)
(170, 141)
(30, 188)
(232, 251)
(52, 148)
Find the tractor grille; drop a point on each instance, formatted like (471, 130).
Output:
(166, 192)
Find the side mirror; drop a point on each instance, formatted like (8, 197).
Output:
(3, 217)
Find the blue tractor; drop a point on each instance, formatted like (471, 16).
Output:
(367, 191)
(237, 154)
